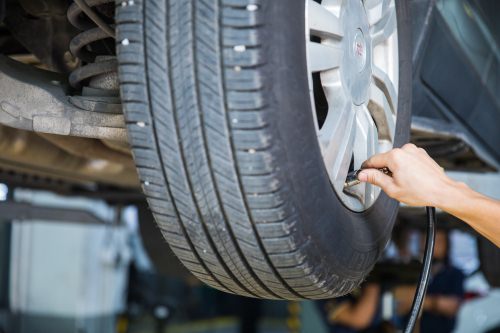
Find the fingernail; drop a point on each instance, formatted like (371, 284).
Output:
(362, 176)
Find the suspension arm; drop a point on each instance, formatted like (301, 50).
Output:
(35, 100)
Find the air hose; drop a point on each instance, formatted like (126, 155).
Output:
(352, 180)
(426, 269)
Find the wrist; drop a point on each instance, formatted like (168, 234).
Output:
(451, 193)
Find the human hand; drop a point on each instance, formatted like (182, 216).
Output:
(417, 180)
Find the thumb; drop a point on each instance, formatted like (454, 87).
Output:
(375, 177)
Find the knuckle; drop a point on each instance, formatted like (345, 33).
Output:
(395, 152)
(422, 150)
(409, 146)
(397, 155)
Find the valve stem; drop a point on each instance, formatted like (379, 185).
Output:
(353, 180)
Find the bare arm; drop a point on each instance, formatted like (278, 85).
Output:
(443, 305)
(417, 180)
(360, 314)
(480, 212)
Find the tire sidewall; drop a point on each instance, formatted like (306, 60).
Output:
(489, 257)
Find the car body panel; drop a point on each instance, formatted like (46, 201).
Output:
(457, 68)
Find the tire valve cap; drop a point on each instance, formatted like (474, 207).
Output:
(352, 177)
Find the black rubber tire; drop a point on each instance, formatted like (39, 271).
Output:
(226, 149)
(489, 257)
(163, 259)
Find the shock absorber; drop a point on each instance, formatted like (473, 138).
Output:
(94, 46)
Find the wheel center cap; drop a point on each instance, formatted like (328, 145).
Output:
(359, 50)
(356, 69)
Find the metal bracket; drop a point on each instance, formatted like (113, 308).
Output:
(35, 100)
(485, 183)
(423, 129)
(19, 211)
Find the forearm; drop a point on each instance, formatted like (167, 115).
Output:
(360, 314)
(367, 305)
(480, 212)
(442, 305)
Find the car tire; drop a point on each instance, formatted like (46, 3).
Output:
(489, 257)
(164, 261)
(218, 112)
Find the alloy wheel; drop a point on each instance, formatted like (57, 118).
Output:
(352, 52)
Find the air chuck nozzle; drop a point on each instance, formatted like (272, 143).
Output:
(353, 180)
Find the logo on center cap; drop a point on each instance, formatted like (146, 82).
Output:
(359, 50)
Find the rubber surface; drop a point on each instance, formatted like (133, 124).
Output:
(219, 118)
(489, 257)
(163, 259)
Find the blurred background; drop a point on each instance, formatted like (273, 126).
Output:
(74, 264)
(92, 260)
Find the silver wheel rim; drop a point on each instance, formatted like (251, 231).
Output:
(353, 46)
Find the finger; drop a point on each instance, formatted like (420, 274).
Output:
(376, 177)
(377, 162)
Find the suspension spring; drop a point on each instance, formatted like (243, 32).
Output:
(92, 46)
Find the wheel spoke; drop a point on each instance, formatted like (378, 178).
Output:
(365, 145)
(385, 26)
(370, 4)
(372, 138)
(345, 149)
(375, 9)
(371, 192)
(323, 57)
(339, 111)
(337, 136)
(322, 22)
(384, 83)
(382, 114)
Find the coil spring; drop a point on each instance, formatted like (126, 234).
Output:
(94, 29)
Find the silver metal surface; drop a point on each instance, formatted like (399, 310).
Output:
(352, 179)
(34, 100)
(426, 130)
(28, 158)
(485, 183)
(357, 59)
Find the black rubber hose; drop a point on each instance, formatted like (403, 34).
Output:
(426, 269)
